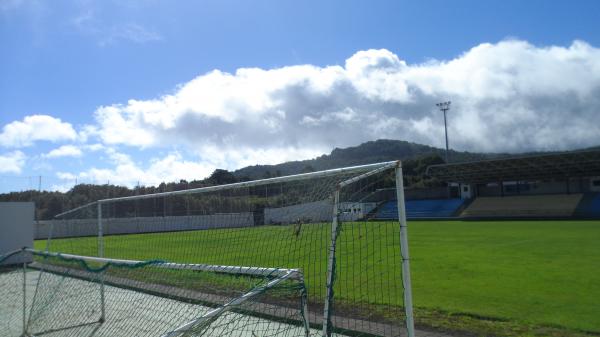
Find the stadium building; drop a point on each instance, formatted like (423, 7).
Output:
(558, 185)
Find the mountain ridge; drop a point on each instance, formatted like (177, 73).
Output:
(366, 153)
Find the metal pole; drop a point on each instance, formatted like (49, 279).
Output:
(100, 232)
(245, 270)
(408, 305)
(101, 254)
(304, 299)
(331, 265)
(446, 132)
(445, 106)
(24, 298)
(194, 326)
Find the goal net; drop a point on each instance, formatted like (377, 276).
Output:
(76, 295)
(286, 256)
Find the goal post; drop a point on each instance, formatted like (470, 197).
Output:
(321, 226)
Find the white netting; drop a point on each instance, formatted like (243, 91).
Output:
(353, 283)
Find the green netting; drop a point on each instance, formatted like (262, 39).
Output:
(154, 298)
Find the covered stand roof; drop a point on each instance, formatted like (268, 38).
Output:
(538, 167)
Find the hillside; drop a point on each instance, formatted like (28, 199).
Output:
(366, 153)
(415, 159)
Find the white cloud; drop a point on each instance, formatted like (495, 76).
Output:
(508, 96)
(234, 158)
(12, 162)
(65, 176)
(64, 151)
(36, 128)
(125, 171)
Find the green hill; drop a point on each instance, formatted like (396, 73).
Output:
(366, 153)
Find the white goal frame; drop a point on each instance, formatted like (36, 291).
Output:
(373, 169)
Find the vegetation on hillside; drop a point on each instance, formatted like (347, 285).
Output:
(415, 159)
(366, 153)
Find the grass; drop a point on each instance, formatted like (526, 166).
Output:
(507, 278)
(532, 272)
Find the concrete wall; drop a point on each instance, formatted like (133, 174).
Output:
(111, 226)
(317, 211)
(575, 185)
(16, 229)
(549, 205)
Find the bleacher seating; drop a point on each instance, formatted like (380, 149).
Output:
(387, 211)
(589, 206)
(434, 208)
(552, 205)
(594, 209)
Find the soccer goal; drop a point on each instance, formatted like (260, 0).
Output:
(300, 255)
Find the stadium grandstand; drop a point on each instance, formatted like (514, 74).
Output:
(557, 185)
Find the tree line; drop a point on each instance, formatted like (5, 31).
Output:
(50, 203)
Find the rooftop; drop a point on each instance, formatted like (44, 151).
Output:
(560, 165)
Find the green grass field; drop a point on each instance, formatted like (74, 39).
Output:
(507, 278)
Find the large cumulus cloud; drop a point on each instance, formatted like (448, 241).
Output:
(508, 96)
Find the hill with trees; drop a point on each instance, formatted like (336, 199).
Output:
(366, 153)
(415, 159)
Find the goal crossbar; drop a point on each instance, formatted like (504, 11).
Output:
(242, 270)
(375, 168)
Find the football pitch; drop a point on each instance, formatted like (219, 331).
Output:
(488, 277)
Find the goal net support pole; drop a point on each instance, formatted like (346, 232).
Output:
(101, 254)
(408, 306)
(331, 265)
(327, 324)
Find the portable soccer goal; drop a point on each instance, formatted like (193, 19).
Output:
(300, 255)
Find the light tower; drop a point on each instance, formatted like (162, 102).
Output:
(445, 106)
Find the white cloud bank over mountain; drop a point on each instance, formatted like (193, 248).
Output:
(509, 96)
(126, 171)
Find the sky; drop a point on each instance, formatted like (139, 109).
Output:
(147, 91)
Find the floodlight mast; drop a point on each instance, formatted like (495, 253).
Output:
(445, 106)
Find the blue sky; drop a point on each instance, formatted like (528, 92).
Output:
(155, 90)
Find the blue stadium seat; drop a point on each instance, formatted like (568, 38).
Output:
(594, 209)
(589, 206)
(435, 208)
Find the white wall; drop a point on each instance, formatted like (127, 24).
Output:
(466, 191)
(89, 227)
(352, 211)
(16, 229)
(317, 211)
